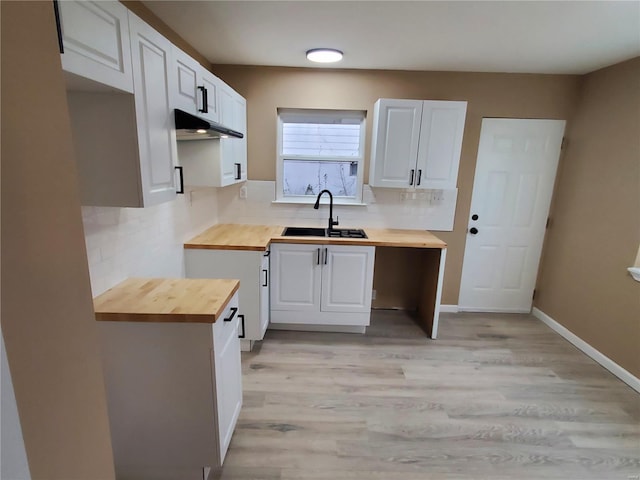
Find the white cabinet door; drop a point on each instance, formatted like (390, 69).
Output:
(153, 84)
(295, 277)
(185, 70)
(394, 149)
(211, 85)
(440, 144)
(229, 168)
(347, 279)
(228, 374)
(265, 278)
(233, 151)
(95, 36)
(240, 144)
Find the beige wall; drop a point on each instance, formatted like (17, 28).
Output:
(595, 232)
(489, 95)
(152, 19)
(47, 313)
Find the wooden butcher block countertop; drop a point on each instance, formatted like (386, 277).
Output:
(258, 237)
(165, 300)
(235, 237)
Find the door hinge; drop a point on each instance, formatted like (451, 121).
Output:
(563, 145)
(533, 297)
(548, 224)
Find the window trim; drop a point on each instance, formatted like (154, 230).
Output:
(284, 114)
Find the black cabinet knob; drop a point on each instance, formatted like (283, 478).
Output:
(474, 217)
(473, 230)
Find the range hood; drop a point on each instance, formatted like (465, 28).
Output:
(190, 127)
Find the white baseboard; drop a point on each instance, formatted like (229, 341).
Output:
(493, 310)
(449, 309)
(606, 362)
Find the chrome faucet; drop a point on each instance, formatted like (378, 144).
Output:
(317, 205)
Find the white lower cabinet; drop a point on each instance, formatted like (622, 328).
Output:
(252, 269)
(174, 394)
(321, 284)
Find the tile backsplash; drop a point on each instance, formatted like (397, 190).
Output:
(126, 242)
(385, 208)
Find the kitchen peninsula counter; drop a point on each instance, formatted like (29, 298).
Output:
(181, 300)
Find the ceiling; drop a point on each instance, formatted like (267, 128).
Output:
(570, 37)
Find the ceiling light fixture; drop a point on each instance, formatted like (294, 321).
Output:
(324, 55)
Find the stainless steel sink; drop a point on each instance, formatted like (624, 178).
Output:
(322, 232)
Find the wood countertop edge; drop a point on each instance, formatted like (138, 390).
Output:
(356, 241)
(168, 317)
(156, 317)
(248, 248)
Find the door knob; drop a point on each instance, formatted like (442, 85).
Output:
(473, 230)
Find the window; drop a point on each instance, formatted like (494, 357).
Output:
(318, 150)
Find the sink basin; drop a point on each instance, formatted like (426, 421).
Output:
(321, 232)
(303, 232)
(346, 233)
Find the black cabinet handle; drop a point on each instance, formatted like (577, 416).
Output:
(474, 217)
(325, 256)
(241, 335)
(473, 230)
(266, 277)
(318, 256)
(412, 175)
(238, 171)
(234, 310)
(181, 189)
(205, 100)
(56, 12)
(419, 177)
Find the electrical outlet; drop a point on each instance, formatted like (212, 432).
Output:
(243, 191)
(437, 196)
(373, 294)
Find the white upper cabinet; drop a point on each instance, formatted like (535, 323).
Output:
(153, 84)
(416, 143)
(95, 37)
(219, 162)
(196, 89)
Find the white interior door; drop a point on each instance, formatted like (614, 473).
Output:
(515, 173)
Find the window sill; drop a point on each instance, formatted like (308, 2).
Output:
(312, 201)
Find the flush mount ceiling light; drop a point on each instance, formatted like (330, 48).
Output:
(324, 55)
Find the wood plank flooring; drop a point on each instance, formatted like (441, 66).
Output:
(495, 397)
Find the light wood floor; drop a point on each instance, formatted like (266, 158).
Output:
(495, 397)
